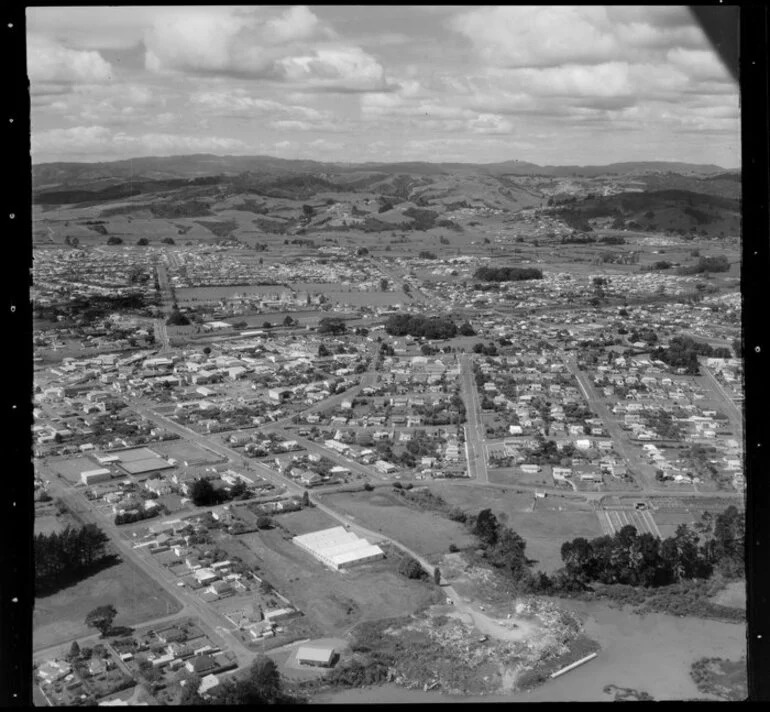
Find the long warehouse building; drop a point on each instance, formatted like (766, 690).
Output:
(338, 548)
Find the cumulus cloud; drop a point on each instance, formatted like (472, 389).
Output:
(292, 48)
(297, 23)
(538, 36)
(50, 63)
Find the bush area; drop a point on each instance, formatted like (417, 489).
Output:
(683, 352)
(707, 264)
(725, 678)
(418, 325)
(507, 274)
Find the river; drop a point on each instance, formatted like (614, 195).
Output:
(651, 653)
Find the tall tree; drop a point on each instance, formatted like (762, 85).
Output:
(102, 618)
(486, 527)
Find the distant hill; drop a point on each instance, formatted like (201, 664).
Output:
(96, 176)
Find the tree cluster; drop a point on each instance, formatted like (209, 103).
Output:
(331, 325)
(418, 325)
(683, 352)
(67, 555)
(507, 274)
(644, 560)
(707, 264)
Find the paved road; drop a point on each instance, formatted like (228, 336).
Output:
(633, 460)
(733, 413)
(474, 427)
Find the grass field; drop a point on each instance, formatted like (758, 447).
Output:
(48, 524)
(305, 521)
(544, 530)
(70, 468)
(335, 601)
(514, 476)
(185, 451)
(60, 617)
(424, 532)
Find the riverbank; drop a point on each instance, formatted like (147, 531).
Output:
(650, 653)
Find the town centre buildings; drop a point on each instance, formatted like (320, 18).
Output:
(338, 548)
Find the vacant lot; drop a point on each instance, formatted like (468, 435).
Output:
(60, 617)
(334, 601)
(424, 532)
(515, 475)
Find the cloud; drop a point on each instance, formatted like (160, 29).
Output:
(342, 68)
(297, 23)
(538, 36)
(51, 63)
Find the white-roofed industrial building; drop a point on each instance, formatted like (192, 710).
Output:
(317, 657)
(338, 548)
(90, 477)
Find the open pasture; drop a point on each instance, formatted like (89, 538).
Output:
(60, 617)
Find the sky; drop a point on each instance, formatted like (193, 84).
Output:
(585, 85)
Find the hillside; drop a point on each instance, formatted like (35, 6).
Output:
(680, 211)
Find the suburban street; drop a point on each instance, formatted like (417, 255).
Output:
(732, 411)
(474, 427)
(191, 604)
(644, 473)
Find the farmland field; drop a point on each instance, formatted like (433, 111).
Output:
(60, 617)
(335, 601)
(424, 532)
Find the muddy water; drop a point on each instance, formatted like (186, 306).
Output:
(651, 653)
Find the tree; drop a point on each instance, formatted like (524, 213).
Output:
(383, 285)
(264, 674)
(168, 241)
(114, 240)
(142, 241)
(267, 325)
(410, 567)
(466, 329)
(305, 499)
(323, 351)
(368, 486)
(207, 350)
(288, 321)
(264, 522)
(74, 651)
(486, 527)
(203, 494)
(102, 618)
(437, 576)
